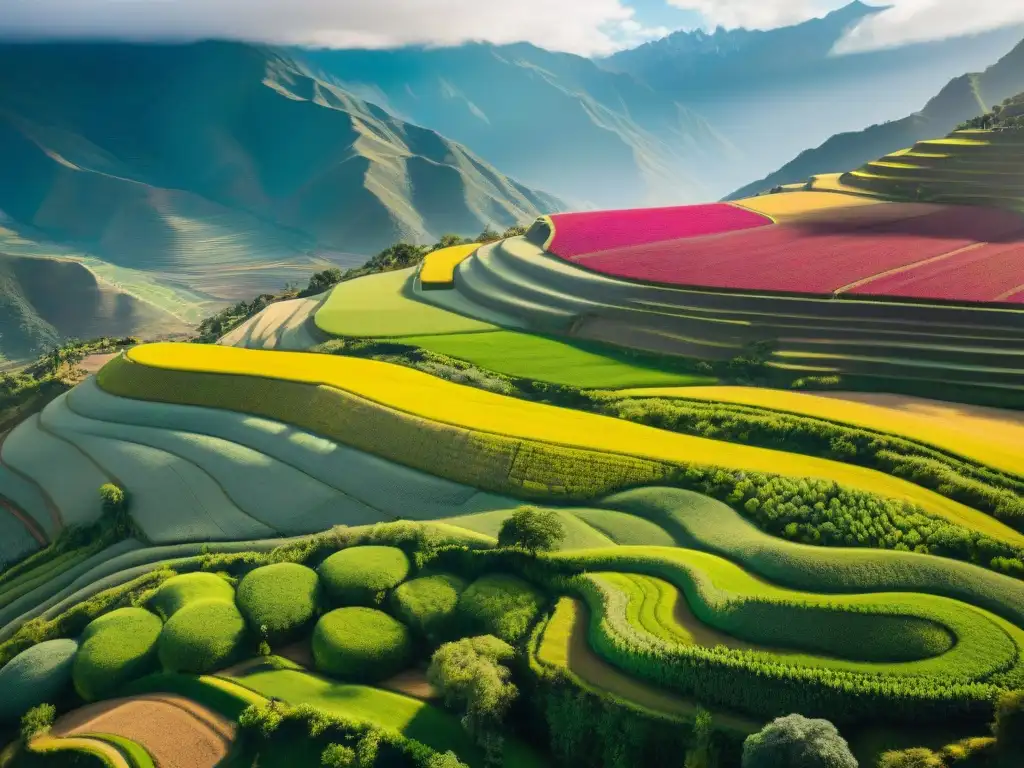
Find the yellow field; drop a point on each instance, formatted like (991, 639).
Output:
(437, 400)
(438, 270)
(783, 205)
(974, 433)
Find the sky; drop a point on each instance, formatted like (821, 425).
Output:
(587, 27)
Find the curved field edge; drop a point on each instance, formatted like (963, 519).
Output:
(147, 373)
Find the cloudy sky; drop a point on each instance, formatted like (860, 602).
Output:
(580, 26)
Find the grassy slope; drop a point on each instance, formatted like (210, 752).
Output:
(442, 403)
(384, 305)
(989, 441)
(545, 359)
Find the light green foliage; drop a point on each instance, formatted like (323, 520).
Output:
(113, 498)
(115, 649)
(445, 760)
(797, 742)
(360, 644)
(37, 721)
(263, 718)
(284, 598)
(701, 753)
(179, 591)
(500, 605)
(532, 529)
(338, 756)
(427, 605)
(36, 675)
(918, 757)
(202, 637)
(363, 575)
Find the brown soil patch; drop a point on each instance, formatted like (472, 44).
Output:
(92, 363)
(176, 731)
(301, 653)
(412, 682)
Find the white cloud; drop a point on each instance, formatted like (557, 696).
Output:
(914, 21)
(757, 14)
(580, 26)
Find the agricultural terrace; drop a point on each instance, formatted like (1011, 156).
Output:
(428, 421)
(889, 250)
(438, 270)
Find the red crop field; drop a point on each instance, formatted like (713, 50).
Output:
(988, 273)
(577, 234)
(818, 257)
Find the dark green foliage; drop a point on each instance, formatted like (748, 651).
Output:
(360, 644)
(115, 648)
(321, 281)
(427, 605)
(702, 753)
(500, 605)
(283, 598)
(36, 675)
(37, 721)
(363, 575)
(1008, 727)
(795, 741)
(532, 529)
(225, 321)
(1009, 115)
(202, 637)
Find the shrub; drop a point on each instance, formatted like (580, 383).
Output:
(1008, 727)
(500, 605)
(338, 756)
(428, 604)
(795, 741)
(363, 575)
(918, 757)
(37, 721)
(115, 649)
(279, 600)
(263, 719)
(113, 499)
(202, 637)
(360, 644)
(36, 675)
(446, 760)
(179, 591)
(531, 529)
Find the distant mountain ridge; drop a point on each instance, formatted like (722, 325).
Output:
(192, 175)
(963, 98)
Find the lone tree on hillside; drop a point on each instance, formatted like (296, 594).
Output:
(533, 530)
(1008, 727)
(795, 741)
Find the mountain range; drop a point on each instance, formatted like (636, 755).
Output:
(963, 97)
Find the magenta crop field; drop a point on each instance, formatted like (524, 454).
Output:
(819, 257)
(989, 273)
(577, 234)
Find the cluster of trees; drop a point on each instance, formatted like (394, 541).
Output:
(1006, 116)
(983, 488)
(813, 511)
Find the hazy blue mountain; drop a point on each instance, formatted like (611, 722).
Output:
(190, 175)
(554, 120)
(774, 93)
(963, 98)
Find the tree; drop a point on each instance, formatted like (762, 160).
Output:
(532, 529)
(338, 756)
(37, 721)
(795, 741)
(447, 241)
(1008, 727)
(321, 281)
(700, 754)
(113, 499)
(488, 236)
(445, 760)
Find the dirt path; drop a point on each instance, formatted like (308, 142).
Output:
(111, 753)
(177, 732)
(92, 363)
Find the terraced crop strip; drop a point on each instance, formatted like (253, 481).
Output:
(438, 270)
(838, 251)
(469, 435)
(578, 234)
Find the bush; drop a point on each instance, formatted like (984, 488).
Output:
(36, 675)
(263, 719)
(37, 721)
(360, 644)
(179, 591)
(284, 598)
(532, 530)
(1008, 727)
(338, 756)
(113, 499)
(918, 757)
(115, 649)
(795, 741)
(202, 637)
(428, 604)
(500, 605)
(363, 575)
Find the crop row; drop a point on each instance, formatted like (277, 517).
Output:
(578, 234)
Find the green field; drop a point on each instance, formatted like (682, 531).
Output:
(558, 362)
